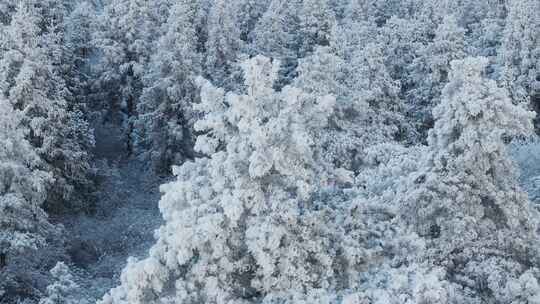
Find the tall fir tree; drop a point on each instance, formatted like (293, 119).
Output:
(26, 234)
(520, 54)
(468, 188)
(31, 81)
(127, 32)
(164, 126)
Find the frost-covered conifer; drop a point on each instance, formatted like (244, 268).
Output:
(64, 290)
(276, 33)
(520, 51)
(165, 118)
(379, 12)
(126, 36)
(6, 9)
(248, 14)
(241, 224)
(291, 30)
(80, 49)
(466, 201)
(367, 108)
(261, 219)
(316, 22)
(31, 80)
(431, 69)
(223, 44)
(24, 228)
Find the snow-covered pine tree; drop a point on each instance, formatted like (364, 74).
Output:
(64, 290)
(240, 225)
(466, 202)
(400, 39)
(370, 79)
(24, 228)
(276, 33)
(248, 16)
(291, 30)
(379, 12)
(164, 126)
(324, 73)
(30, 79)
(69, 45)
(485, 36)
(79, 49)
(431, 67)
(6, 9)
(126, 35)
(351, 34)
(367, 107)
(520, 51)
(316, 22)
(223, 44)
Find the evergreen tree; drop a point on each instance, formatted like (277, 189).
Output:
(64, 290)
(24, 228)
(367, 109)
(520, 54)
(249, 14)
(223, 44)
(165, 121)
(466, 202)
(303, 176)
(30, 80)
(125, 37)
(277, 36)
(240, 209)
(80, 50)
(431, 69)
(290, 30)
(276, 33)
(6, 10)
(316, 22)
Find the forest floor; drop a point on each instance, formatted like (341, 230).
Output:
(126, 215)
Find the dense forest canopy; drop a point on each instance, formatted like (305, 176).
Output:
(309, 151)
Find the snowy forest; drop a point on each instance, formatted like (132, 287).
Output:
(272, 152)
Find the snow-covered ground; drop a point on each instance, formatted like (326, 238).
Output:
(126, 214)
(527, 157)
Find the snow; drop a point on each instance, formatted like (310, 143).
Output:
(126, 214)
(526, 154)
(281, 151)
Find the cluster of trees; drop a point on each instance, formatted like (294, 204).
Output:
(345, 152)
(382, 56)
(46, 140)
(328, 151)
